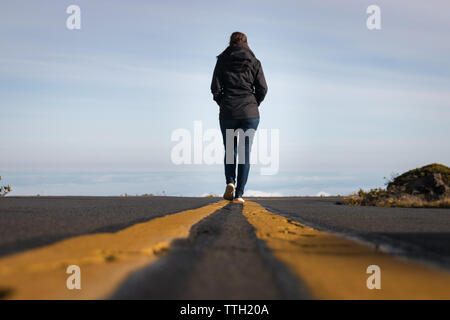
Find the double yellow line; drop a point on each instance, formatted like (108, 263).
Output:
(333, 267)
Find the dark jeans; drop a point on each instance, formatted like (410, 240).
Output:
(243, 166)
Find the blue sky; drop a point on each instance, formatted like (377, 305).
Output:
(349, 102)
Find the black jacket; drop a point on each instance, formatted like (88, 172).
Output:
(238, 85)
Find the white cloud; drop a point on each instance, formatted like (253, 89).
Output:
(257, 193)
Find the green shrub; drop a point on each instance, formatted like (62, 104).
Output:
(411, 189)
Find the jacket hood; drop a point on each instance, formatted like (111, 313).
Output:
(238, 58)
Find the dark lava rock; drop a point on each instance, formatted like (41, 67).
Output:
(431, 181)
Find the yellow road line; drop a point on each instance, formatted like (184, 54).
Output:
(105, 259)
(334, 267)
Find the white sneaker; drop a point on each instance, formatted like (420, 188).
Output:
(238, 200)
(229, 191)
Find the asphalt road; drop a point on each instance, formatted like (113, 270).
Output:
(412, 232)
(29, 222)
(222, 258)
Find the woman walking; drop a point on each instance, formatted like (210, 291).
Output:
(238, 86)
